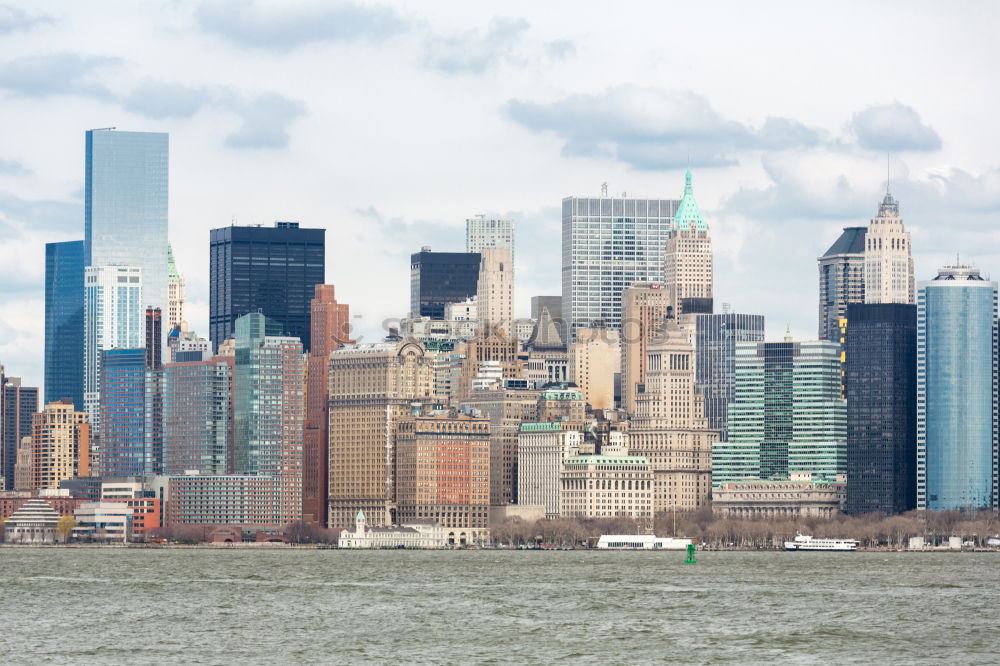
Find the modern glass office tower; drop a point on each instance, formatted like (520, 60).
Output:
(123, 449)
(841, 280)
(716, 338)
(609, 243)
(271, 270)
(956, 313)
(198, 416)
(440, 278)
(268, 409)
(64, 336)
(881, 387)
(787, 415)
(125, 206)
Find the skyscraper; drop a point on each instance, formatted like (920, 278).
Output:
(495, 289)
(888, 261)
(268, 409)
(554, 305)
(60, 443)
(687, 268)
(123, 445)
(609, 243)
(175, 292)
(17, 406)
(644, 307)
(956, 314)
(64, 338)
(153, 400)
(331, 329)
(716, 337)
(271, 270)
(482, 232)
(881, 386)
(787, 415)
(440, 278)
(198, 422)
(841, 280)
(113, 319)
(125, 206)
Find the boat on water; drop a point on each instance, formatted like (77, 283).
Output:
(641, 542)
(804, 542)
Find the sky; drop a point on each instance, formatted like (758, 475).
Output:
(389, 124)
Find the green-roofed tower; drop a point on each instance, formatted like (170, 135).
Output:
(689, 217)
(687, 269)
(175, 292)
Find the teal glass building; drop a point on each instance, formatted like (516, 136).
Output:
(956, 314)
(64, 337)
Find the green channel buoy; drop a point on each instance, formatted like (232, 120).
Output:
(690, 558)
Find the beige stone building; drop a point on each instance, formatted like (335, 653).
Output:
(593, 361)
(60, 444)
(669, 427)
(687, 267)
(495, 289)
(490, 344)
(546, 357)
(561, 405)
(372, 388)
(443, 474)
(24, 477)
(778, 499)
(888, 257)
(541, 449)
(644, 306)
(610, 484)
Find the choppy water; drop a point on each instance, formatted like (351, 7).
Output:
(212, 607)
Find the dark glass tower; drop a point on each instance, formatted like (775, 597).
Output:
(17, 405)
(841, 280)
(439, 278)
(881, 386)
(272, 270)
(64, 322)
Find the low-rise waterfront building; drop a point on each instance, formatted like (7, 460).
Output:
(103, 521)
(35, 522)
(796, 498)
(421, 534)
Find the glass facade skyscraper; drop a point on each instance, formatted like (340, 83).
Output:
(609, 243)
(123, 444)
(956, 314)
(881, 386)
(841, 280)
(440, 278)
(271, 270)
(64, 337)
(198, 416)
(716, 338)
(125, 206)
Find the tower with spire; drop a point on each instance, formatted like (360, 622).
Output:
(688, 268)
(888, 256)
(175, 292)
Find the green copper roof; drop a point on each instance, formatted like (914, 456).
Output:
(172, 273)
(688, 217)
(543, 426)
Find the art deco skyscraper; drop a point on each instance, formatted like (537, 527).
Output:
(841, 280)
(495, 289)
(175, 292)
(687, 268)
(644, 306)
(888, 258)
(125, 206)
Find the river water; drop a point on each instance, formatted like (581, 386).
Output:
(203, 606)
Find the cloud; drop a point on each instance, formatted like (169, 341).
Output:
(13, 168)
(56, 74)
(13, 19)
(266, 118)
(893, 127)
(284, 28)
(560, 49)
(158, 99)
(38, 214)
(651, 128)
(475, 51)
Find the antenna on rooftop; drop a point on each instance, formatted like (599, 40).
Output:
(604, 189)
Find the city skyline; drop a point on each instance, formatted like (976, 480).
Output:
(770, 174)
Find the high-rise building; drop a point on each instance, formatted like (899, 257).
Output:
(125, 206)
(787, 417)
(644, 306)
(268, 410)
(113, 319)
(442, 474)
(541, 449)
(594, 359)
(495, 289)
(437, 279)
(554, 305)
(123, 445)
(547, 356)
(60, 437)
(482, 232)
(609, 243)
(372, 388)
(64, 297)
(841, 280)
(175, 292)
(17, 406)
(881, 386)
(154, 339)
(271, 270)
(956, 314)
(614, 483)
(888, 259)
(716, 336)
(687, 268)
(331, 329)
(198, 425)
(669, 428)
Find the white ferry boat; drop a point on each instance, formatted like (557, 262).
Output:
(803, 542)
(641, 542)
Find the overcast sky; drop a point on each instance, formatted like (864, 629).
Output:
(389, 124)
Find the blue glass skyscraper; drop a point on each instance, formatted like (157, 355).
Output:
(123, 447)
(64, 322)
(125, 206)
(956, 312)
